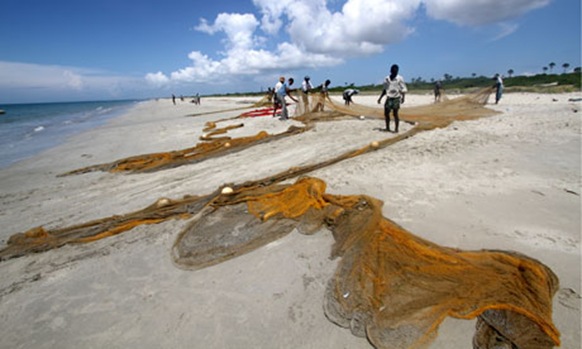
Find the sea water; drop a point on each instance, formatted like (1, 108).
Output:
(28, 129)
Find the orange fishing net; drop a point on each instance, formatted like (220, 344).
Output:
(465, 107)
(309, 109)
(390, 286)
(39, 239)
(396, 288)
(210, 147)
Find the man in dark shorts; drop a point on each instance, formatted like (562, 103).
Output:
(438, 86)
(394, 89)
(347, 95)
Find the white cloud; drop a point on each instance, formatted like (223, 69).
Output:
(505, 29)
(63, 82)
(479, 12)
(239, 29)
(311, 34)
(317, 37)
(73, 80)
(23, 75)
(157, 79)
(362, 27)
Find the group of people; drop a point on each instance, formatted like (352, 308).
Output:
(283, 89)
(394, 88)
(195, 99)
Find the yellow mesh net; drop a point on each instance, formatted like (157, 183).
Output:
(465, 107)
(211, 146)
(390, 286)
(396, 288)
(309, 109)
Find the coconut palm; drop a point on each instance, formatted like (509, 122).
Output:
(565, 66)
(545, 69)
(510, 72)
(551, 65)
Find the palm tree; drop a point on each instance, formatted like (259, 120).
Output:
(474, 74)
(551, 65)
(565, 66)
(510, 72)
(545, 69)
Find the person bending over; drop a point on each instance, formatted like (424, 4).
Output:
(348, 95)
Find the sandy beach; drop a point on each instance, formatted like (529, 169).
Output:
(511, 181)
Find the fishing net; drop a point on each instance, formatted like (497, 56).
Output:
(320, 107)
(211, 146)
(466, 107)
(39, 239)
(390, 286)
(310, 108)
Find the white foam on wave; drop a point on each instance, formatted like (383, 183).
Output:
(38, 129)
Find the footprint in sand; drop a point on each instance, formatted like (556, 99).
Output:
(569, 298)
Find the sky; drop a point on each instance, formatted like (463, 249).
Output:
(77, 50)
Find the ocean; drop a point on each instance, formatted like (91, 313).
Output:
(28, 129)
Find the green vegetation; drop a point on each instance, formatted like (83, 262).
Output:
(543, 83)
(552, 83)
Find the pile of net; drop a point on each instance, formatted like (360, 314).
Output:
(319, 107)
(210, 147)
(310, 108)
(390, 286)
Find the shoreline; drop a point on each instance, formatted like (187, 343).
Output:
(34, 128)
(509, 181)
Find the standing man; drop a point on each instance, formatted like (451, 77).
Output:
(438, 86)
(498, 87)
(394, 89)
(306, 88)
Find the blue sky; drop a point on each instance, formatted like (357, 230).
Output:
(71, 50)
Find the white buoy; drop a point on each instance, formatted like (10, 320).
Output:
(163, 202)
(227, 190)
(362, 117)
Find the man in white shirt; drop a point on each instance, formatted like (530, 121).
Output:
(306, 88)
(348, 95)
(498, 87)
(395, 90)
(282, 90)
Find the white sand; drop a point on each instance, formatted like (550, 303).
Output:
(511, 182)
